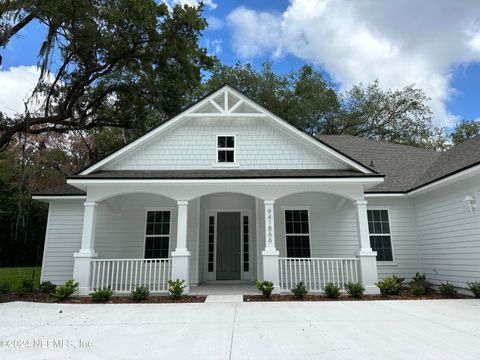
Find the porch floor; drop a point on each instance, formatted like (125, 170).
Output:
(224, 289)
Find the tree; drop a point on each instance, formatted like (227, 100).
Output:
(303, 98)
(465, 130)
(123, 63)
(399, 116)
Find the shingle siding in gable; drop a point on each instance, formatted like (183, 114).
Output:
(192, 145)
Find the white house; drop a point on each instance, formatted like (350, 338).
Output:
(227, 191)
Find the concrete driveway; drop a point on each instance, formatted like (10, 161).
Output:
(440, 329)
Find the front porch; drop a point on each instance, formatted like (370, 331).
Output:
(147, 237)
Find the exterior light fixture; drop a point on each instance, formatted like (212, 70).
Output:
(471, 202)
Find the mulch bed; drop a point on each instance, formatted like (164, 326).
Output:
(404, 295)
(37, 296)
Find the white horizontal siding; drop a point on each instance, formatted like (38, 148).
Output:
(333, 233)
(62, 239)
(406, 250)
(192, 145)
(448, 234)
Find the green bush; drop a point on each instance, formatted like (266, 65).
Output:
(140, 293)
(418, 289)
(63, 292)
(101, 295)
(332, 291)
(300, 290)
(176, 288)
(355, 290)
(21, 291)
(389, 286)
(420, 284)
(448, 289)
(27, 284)
(474, 288)
(399, 280)
(47, 287)
(265, 287)
(4, 288)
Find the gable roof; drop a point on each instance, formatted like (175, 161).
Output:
(407, 168)
(261, 111)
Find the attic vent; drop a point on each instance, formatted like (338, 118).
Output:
(372, 164)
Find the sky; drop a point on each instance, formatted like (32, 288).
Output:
(434, 44)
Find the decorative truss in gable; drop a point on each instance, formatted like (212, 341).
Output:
(226, 104)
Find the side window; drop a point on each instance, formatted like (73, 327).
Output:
(157, 234)
(226, 149)
(297, 233)
(380, 236)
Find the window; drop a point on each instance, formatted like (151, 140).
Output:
(297, 232)
(157, 234)
(245, 244)
(226, 149)
(380, 237)
(211, 242)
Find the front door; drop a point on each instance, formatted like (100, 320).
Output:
(228, 246)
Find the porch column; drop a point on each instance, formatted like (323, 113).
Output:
(82, 258)
(367, 257)
(270, 254)
(181, 255)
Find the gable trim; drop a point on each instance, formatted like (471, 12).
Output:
(189, 111)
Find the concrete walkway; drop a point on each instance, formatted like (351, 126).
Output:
(439, 329)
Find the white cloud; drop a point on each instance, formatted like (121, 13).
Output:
(208, 3)
(16, 85)
(254, 33)
(399, 43)
(214, 47)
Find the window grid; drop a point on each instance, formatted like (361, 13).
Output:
(211, 242)
(157, 234)
(380, 234)
(225, 148)
(245, 244)
(297, 232)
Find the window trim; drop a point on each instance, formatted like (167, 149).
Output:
(217, 149)
(284, 210)
(392, 262)
(147, 209)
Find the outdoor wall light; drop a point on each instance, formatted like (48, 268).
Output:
(471, 202)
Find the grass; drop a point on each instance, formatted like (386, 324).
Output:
(15, 275)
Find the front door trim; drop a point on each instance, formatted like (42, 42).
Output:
(209, 276)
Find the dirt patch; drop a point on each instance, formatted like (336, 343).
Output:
(404, 295)
(117, 299)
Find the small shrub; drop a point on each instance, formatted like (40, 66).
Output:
(355, 290)
(47, 287)
(418, 289)
(300, 290)
(265, 287)
(176, 288)
(27, 285)
(399, 280)
(448, 289)
(419, 281)
(332, 291)
(21, 291)
(4, 288)
(101, 295)
(389, 286)
(63, 292)
(473, 286)
(140, 293)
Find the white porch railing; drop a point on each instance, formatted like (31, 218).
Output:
(317, 272)
(124, 275)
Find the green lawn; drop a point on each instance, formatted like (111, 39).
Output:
(15, 275)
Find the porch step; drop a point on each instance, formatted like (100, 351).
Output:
(224, 298)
